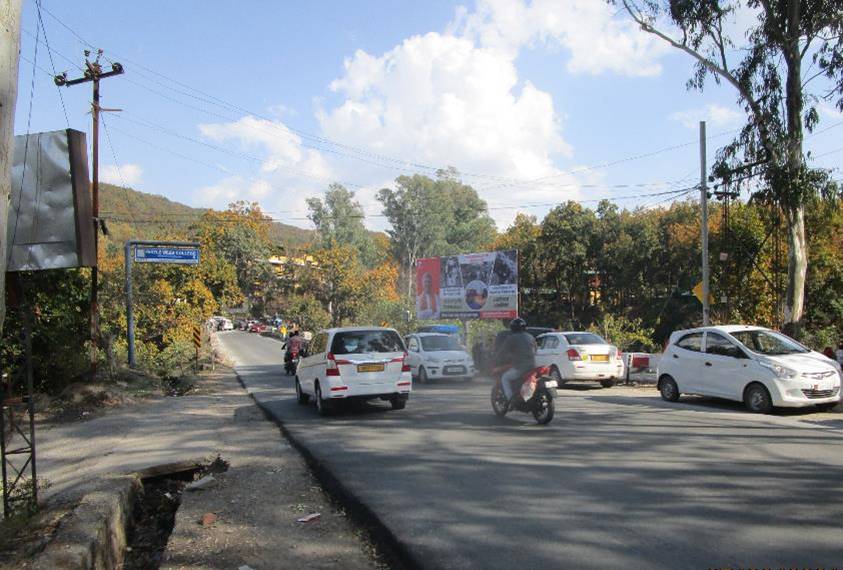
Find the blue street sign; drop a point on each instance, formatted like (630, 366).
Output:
(158, 254)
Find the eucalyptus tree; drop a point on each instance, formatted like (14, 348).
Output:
(782, 66)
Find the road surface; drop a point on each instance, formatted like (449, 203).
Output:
(620, 479)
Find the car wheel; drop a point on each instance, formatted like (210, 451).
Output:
(301, 397)
(322, 405)
(398, 403)
(607, 383)
(556, 375)
(422, 375)
(668, 389)
(757, 399)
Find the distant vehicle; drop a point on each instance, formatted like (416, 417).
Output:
(433, 356)
(453, 330)
(354, 363)
(580, 356)
(256, 327)
(221, 323)
(757, 366)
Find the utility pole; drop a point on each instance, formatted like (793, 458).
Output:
(9, 57)
(93, 73)
(704, 227)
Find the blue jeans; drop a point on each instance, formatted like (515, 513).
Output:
(508, 378)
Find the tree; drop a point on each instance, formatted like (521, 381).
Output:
(434, 217)
(774, 87)
(339, 219)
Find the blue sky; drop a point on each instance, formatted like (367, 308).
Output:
(271, 101)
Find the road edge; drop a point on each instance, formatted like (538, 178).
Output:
(390, 548)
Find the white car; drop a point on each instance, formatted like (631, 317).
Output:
(435, 355)
(754, 365)
(579, 356)
(354, 363)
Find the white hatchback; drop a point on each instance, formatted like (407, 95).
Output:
(582, 356)
(436, 355)
(354, 363)
(754, 365)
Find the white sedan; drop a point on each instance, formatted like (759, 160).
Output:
(580, 356)
(436, 355)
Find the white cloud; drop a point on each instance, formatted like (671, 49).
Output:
(595, 38)
(111, 173)
(713, 114)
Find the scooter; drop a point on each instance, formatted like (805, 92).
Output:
(536, 396)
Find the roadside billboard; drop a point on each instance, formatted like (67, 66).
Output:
(468, 286)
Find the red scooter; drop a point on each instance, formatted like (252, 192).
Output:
(536, 396)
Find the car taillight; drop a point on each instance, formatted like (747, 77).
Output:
(333, 369)
(404, 366)
(573, 354)
(618, 354)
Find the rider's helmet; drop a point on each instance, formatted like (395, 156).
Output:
(517, 324)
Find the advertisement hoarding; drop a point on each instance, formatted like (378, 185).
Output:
(468, 286)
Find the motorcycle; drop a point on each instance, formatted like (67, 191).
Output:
(536, 396)
(291, 362)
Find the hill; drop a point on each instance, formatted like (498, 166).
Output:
(143, 215)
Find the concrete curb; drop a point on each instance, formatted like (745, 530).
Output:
(389, 546)
(94, 537)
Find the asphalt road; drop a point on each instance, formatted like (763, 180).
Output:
(620, 479)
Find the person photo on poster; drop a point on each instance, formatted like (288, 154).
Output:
(427, 301)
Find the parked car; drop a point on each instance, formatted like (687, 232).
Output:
(486, 355)
(757, 366)
(432, 356)
(580, 356)
(256, 327)
(354, 363)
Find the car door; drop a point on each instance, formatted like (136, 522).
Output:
(548, 350)
(413, 355)
(309, 365)
(687, 363)
(725, 367)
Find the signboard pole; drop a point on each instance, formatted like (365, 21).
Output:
(130, 315)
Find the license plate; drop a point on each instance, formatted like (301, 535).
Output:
(454, 370)
(550, 384)
(370, 368)
(600, 358)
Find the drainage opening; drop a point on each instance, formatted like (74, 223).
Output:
(154, 514)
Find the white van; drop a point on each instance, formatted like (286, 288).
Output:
(757, 366)
(354, 363)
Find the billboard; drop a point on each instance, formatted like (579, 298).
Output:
(468, 286)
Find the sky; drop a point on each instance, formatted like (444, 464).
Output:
(533, 102)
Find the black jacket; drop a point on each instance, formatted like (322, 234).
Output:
(519, 351)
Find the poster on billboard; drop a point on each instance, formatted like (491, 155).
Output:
(468, 286)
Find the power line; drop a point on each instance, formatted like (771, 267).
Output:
(52, 63)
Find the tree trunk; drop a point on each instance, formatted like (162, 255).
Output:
(797, 268)
(9, 54)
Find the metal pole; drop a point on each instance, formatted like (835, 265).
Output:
(95, 195)
(130, 315)
(704, 227)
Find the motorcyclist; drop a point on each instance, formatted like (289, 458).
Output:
(519, 352)
(294, 346)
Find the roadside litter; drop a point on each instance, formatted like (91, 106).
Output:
(309, 518)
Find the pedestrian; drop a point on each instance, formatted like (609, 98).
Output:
(829, 353)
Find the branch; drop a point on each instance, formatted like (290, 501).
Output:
(714, 68)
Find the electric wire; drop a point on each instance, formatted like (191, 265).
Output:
(52, 63)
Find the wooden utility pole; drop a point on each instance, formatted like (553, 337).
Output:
(93, 73)
(9, 57)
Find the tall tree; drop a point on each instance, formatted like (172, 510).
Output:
(776, 89)
(338, 218)
(434, 217)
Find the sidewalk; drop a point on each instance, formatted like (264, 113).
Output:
(257, 501)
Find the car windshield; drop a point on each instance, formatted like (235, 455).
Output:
(437, 343)
(768, 342)
(359, 342)
(584, 338)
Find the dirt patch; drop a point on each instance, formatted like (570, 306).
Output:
(24, 536)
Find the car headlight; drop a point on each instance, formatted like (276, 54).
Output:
(781, 371)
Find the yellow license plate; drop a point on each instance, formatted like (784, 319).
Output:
(600, 357)
(370, 368)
